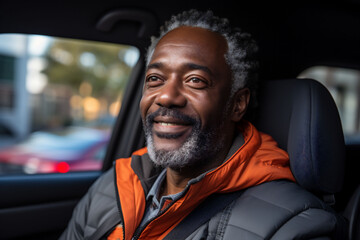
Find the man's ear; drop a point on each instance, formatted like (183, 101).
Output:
(240, 104)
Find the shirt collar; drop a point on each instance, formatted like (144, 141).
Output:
(156, 186)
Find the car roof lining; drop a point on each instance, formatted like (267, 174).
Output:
(278, 27)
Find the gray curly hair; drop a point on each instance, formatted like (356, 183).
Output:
(242, 48)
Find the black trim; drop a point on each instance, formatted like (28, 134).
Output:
(145, 170)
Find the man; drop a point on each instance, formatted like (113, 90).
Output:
(199, 147)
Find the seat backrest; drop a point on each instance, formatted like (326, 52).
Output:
(302, 117)
(352, 214)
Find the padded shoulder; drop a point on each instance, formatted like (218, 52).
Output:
(96, 211)
(279, 210)
(103, 204)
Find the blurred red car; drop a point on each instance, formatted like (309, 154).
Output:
(72, 149)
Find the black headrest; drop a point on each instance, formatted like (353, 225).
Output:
(302, 117)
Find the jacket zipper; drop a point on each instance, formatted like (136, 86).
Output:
(140, 230)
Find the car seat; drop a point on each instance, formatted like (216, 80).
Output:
(302, 117)
(352, 214)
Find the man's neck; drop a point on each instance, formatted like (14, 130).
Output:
(177, 179)
(174, 182)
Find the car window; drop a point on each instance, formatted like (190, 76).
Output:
(344, 86)
(58, 101)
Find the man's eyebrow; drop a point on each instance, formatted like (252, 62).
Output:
(195, 66)
(156, 65)
(191, 66)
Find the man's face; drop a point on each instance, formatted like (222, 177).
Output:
(186, 91)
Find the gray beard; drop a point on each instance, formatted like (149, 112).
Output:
(199, 147)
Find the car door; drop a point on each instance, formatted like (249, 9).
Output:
(36, 201)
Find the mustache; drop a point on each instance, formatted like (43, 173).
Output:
(174, 113)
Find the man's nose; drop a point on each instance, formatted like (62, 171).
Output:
(171, 95)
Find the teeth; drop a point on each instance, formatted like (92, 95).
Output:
(167, 124)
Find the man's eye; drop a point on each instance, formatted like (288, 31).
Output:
(153, 81)
(195, 82)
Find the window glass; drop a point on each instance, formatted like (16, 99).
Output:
(344, 86)
(58, 101)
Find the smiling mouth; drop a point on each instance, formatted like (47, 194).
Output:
(170, 124)
(171, 129)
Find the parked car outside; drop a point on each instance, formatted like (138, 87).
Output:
(70, 149)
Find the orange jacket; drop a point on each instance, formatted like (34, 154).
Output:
(258, 160)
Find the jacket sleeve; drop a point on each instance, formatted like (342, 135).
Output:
(75, 228)
(91, 210)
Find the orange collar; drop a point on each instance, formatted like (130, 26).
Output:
(258, 160)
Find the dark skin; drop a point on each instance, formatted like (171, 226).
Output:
(188, 72)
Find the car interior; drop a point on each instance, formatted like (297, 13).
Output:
(300, 104)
